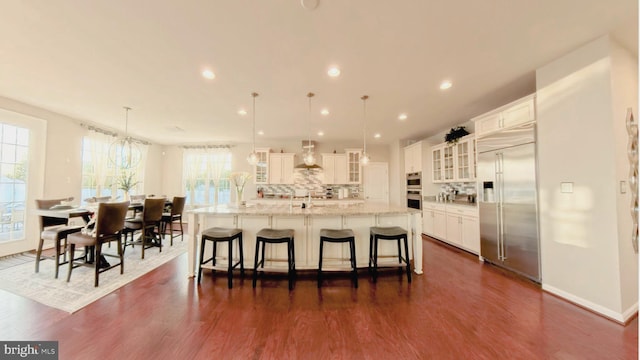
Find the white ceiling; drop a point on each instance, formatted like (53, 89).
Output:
(88, 59)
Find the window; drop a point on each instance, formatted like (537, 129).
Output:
(206, 176)
(14, 165)
(99, 174)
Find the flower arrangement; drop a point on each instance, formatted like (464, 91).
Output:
(239, 179)
(127, 181)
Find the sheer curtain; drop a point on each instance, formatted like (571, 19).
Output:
(99, 149)
(204, 169)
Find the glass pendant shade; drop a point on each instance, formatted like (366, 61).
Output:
(124, 152)
(364, 159)
(309, 159)
(252, 159)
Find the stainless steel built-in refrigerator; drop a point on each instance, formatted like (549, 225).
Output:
(508, 200)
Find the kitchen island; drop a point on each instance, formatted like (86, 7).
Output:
(307, 222)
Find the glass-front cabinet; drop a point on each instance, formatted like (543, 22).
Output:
(454, 162)
(261, 170)
(436, 160)
(448, 161)
(354, 169)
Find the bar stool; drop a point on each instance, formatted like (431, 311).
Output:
(387, 233)
(216, 235)
(338, 236)
(275, 236)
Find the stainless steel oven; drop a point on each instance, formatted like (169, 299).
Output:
(414, 181)
(414, 199)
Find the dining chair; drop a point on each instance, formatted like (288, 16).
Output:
(56, 230)
(146, 223)
(174, 217)
(109, 226)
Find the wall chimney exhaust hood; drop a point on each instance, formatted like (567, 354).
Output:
(308, 146)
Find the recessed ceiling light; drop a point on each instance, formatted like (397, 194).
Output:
(208, 74)
(320, 133)
(324, 112)
(333, 71)
(242, 112)
(402, 116)
(260, 132)
(377, 136)
(445, 85)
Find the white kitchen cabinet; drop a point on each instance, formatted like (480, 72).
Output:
(437, 174)
(515, 113)
(463, 227)
(433, 213)
(439, 224)
(465, 152)
(281, 168)
(334, 168)
(413, 158)
(354, 168)
(261, 169)
(454, 162)
(457, 225)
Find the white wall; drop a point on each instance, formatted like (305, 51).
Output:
(625, 95)
(580, 255)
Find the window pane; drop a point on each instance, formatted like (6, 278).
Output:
(14, 163)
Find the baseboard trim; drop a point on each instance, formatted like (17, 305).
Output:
(621, 318)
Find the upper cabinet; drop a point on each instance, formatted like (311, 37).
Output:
(261, 169)
(454, 162)
(413, 158)
(281, 167)
(518, 112)
(334, 167)
(354, 169)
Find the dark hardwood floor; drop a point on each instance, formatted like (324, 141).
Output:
(459, 309)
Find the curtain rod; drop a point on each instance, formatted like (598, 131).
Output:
(111, 133)
(206, 146)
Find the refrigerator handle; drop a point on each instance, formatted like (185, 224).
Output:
(499, 201)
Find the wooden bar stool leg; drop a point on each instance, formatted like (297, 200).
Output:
(241, 257)
(406, 253)
(255, 263)
(202, 243)
(230, 265)
(352, 244)
(375, 258)
(320, 263)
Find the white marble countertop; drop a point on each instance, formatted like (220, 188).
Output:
(316, 210)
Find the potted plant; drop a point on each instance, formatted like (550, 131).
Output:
(126, 182)
(455, 134)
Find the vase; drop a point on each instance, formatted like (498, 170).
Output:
(126, 196)
(239, 193)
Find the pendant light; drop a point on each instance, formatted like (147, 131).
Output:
(253, 156)
(364, 159)
(124, 152)
(308, 158)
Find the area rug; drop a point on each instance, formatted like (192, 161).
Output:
(79, 292)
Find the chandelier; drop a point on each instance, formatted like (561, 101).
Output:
(124, 152)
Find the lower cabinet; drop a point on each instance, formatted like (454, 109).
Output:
(457, 225)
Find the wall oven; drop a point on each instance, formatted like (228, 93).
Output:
(414, 181)
(414, 190)
(414, 199)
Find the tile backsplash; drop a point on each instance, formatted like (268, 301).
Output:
(309, 180)
(463, 188)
